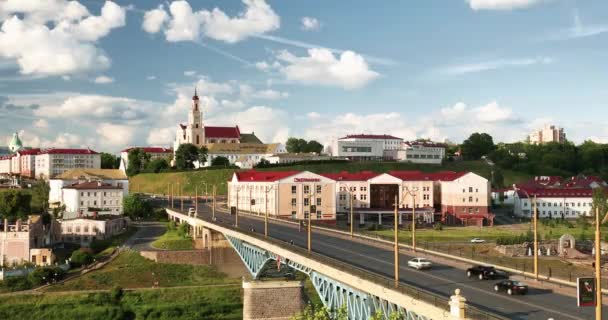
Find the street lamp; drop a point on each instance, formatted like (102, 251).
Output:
(413, 193)
(598, 269)
(535, 226)
(266, 190)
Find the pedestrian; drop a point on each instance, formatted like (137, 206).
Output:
(291, 242)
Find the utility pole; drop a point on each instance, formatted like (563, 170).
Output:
(213, 206)
(598, 269)
(309, 227)
(196, 201)
(535, 222)
(352, 222)
(171, 195)
(236, 212)
(181, 196)
(168, 193)
(414, 223)
(265, 212)
(396, 241)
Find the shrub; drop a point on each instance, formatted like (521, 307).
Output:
(182, 230)
(81, 257)
(16, 283)
(45, 275)
(116, 294)
(171, 225)
(438, 226)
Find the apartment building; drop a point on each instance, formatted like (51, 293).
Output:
(91, 198)
(53, 162)
(83, 231)
(113, 177)
(549, 133)
(26, 241)
(366, 146)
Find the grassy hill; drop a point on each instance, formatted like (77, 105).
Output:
(158, 183)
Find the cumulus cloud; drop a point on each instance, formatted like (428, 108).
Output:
(501, 4)
(114, 135)
(184, 24)
(94, 107)
(310, 24)
(161, 136)
(41, 124)
(269, 124)
(349, 70)
(151, 78)
(189, 73)
(248, 92)
(103, 80)
(56, 37)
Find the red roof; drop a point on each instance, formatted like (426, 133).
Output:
(91, 185)
(426, 144)
(222, 132)
(149, 149)
(556, 193)
(430, 176)
(263, 176)
(68, 151)
(6, 157)
(351, 176)
(371, 136)
(29, 151)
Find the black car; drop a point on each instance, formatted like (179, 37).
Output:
(511, 287)
(482, 272)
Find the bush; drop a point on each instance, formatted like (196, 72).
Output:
(41, 276)
(81, 257)
(171, 225)
(182, 230)
(160, 214)
(116, 294)
(16, 283)
(438, 226)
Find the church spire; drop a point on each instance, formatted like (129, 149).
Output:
(195, 97)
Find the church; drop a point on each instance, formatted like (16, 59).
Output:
(196, 133)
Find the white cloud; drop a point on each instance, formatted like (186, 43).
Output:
(310, 24)
(155, 19)
(190, 73)
(236, 104)
(269, 124)
(321, 67)
(56, 37)
(41, 124)
(91, 107)
(115, 136)
(103, 80)
(492, 112)
(454, 110)
(313, 115)
(495, 64)
(151, 78)
(578, 30)
(265, 66)
(501, 4)
(161, 136)
(184, 24)
(270, 94)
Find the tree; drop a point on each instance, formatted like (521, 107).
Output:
(109, 161)
(600, 201)
(220, 162)
(40, 196)
(477, 145)
(81, 257)
(134, 206)
(185, 156)
(295, 145)
(14, 204)
(138, 160)
(157, 165)
(313, 146)
(202, 155)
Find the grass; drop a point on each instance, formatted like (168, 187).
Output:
(106, 246)
(130, 270)
(171, 240)
(182, 303)
(158, 183)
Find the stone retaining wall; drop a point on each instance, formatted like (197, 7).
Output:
(193, 257)
(276, 300)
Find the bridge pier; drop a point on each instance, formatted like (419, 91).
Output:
(276, 300)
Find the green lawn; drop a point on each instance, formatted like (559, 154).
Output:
(171, 240)
(181, 303)
(130, 270)
(158, 183)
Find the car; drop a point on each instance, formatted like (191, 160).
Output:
(511, 287)
(191, 211)
(477, 240)
(482, 272)
(419, 263)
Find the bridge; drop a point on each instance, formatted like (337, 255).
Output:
(365, 270)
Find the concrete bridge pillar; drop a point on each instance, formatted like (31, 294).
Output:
(276, 300)
(213, 239)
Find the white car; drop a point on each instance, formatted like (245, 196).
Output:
(191, 211)
(419, 263)
(477, 240)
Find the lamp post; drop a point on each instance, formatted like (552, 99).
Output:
(266, 190)
(598, 269)
(396, 241)
(413, 193)
(352, 222)
(535, 227)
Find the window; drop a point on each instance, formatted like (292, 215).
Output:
(104, 193)
(86, 228)
(319, 215)
(363, 188)
(426, 197)
(464, 190)
(342, 197)
(318, 201)
(470, 189)
(306, 214)
(363, 197)
(306, 201)
(81, 203)
(293, 202)
(82, 194)
(293, 215)
(470, 199)
(77, 229)
(294, 189)
(88, 194)
(549, 204)
(319, 189)
(95, 194)
(306, 189)
(353, 189)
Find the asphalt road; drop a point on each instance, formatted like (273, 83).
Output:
(441, 279)
(145, 235)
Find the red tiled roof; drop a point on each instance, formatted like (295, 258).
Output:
(222, 132)
(424, 176)
(263, 176)
(555, 193)
(150, 149)
(91, 185)
(350, 176)
(68, 151)
(6, 157)
(426, 144)
(371, 136)
(29, 151)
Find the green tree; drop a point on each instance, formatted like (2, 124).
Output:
(202, 155)
(313, 146)
(185, 156)
(138, 160)
(157, 165)
(295, 145)
(81, 257)
(14, 204)
(477, 145)
(109, 161)
(220, 162)
(600, 201)
(134, 206)
(40, 196)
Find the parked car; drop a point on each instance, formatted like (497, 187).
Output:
(511, 287)
(482, 272)
(477, 240)
(419, 263)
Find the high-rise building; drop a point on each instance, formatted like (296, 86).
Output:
(549, 133)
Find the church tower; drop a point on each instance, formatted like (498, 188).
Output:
(195, 123)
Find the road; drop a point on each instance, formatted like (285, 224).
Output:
(145, 235)
(441, 279)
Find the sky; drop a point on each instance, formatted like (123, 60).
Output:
(108, 75)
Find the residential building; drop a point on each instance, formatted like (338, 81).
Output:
(83, 231)
(366, 146)
(53, 162)
(153, 152)
(297, 157)
(418, 152)
(6, 165)
(244, 155)
(549, 133)
(91, 198)
(27, 162)
(113, 177)
(26, 241)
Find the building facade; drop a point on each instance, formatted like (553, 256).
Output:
(92, 198)
(26, 241)
(53, 162)
(281, 158)
(112, 177)
(549, 133)
(83, 231)
(244, 155)
(421, 152)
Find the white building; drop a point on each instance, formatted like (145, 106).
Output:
(244, 155)
(26, 241)
(420, 152)
(296, 157)
(53, 162)
(92, 198)
(366, 146)
(83, 231)
(154, 152)
(549, 133)
(6, 165)
(554, 203)
(113, 177)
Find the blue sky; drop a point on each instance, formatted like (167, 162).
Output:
(113, 74)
